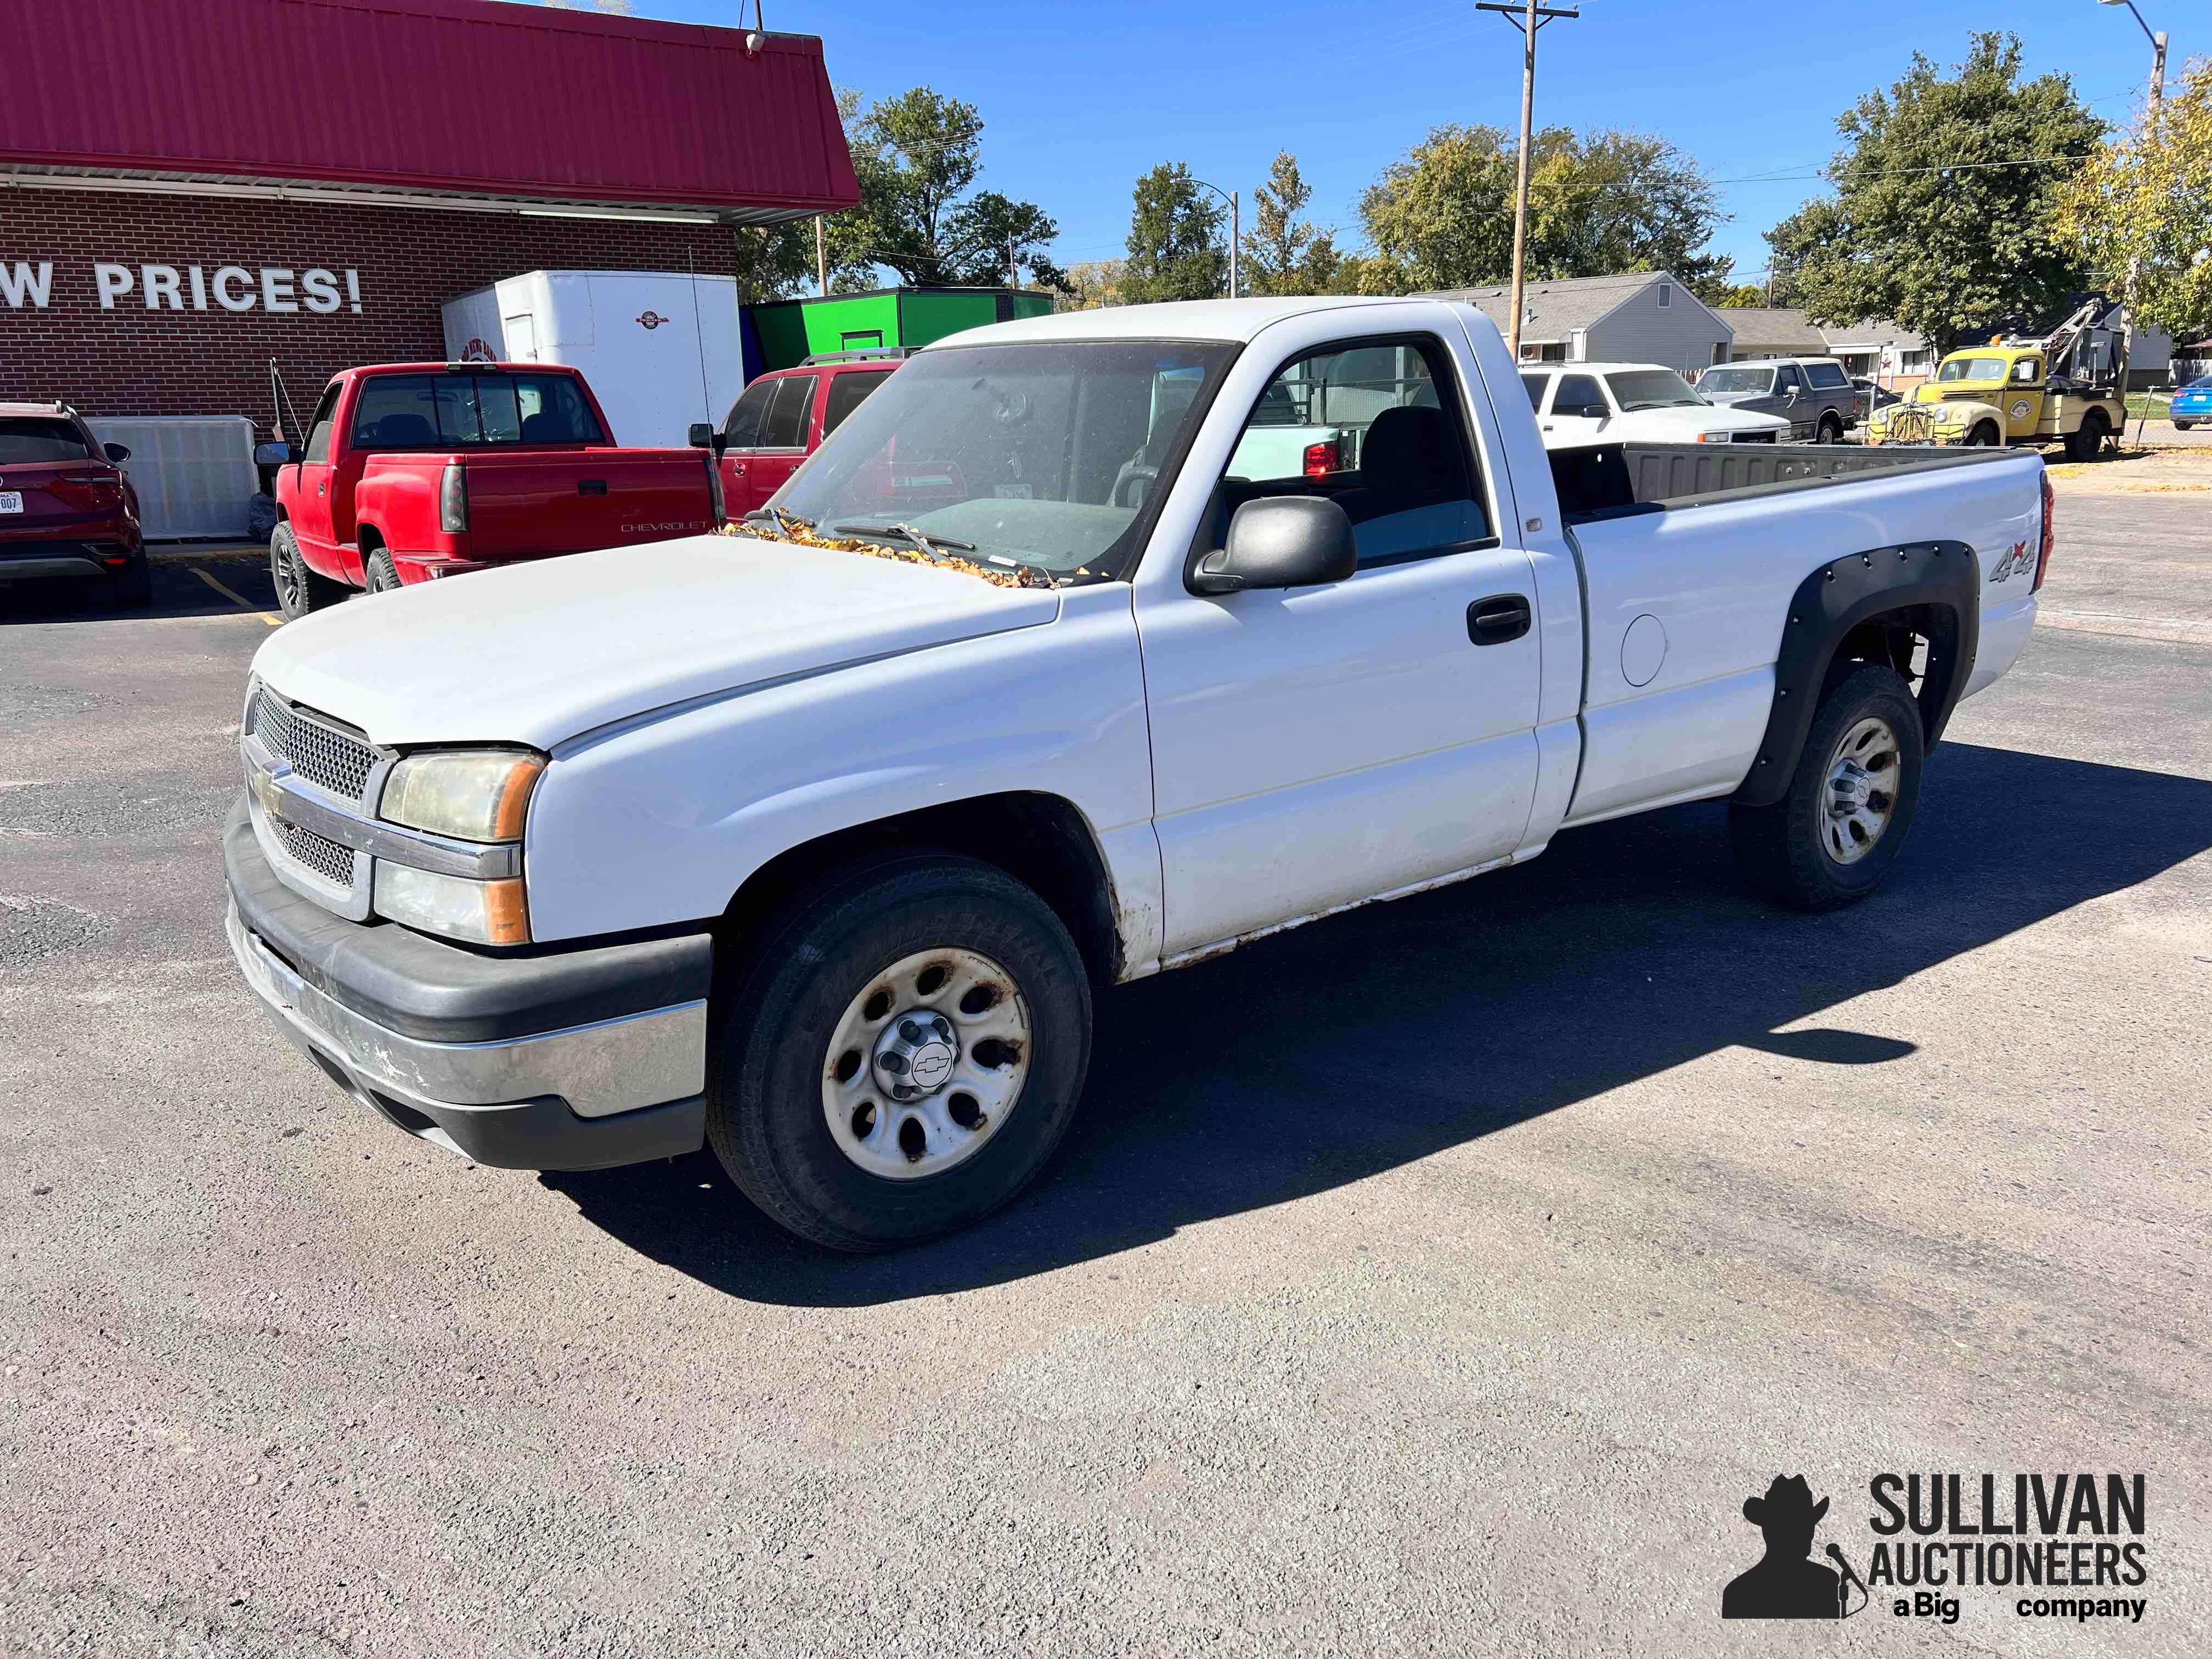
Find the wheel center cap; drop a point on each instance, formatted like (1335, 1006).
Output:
(915, 1055)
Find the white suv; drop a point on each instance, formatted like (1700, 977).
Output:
(1577, 404)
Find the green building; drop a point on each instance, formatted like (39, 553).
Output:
(789, 332)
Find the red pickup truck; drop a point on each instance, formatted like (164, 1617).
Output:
(416, 471)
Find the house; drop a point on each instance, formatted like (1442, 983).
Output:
(1773, 332)
(1881, 350)
(1643, 317)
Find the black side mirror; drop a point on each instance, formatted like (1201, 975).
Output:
(117, 454)
(275, 454)
(704, 436)
(1281, 541)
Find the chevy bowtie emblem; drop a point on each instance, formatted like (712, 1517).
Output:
(650, 320)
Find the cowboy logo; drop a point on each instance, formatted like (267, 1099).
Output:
(1785, 1583)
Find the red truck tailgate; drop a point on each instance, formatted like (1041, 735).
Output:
(526, 502)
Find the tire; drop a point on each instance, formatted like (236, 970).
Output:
(821, 979)
(1831, 432)
(299, 589)
(383, 575)
(1788, 851)
(2088, 441)
(2183, 426)
(133, 584)
(1983, 436)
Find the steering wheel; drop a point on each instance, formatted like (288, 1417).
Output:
(1131, 473)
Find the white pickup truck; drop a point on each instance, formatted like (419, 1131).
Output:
(811, 843)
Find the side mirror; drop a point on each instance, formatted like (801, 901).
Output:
(702, 435)
(275, 454)
(1281, 541)
(117, 454)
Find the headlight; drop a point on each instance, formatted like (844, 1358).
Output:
(1714, 437)
(471, 794)
(482, 912)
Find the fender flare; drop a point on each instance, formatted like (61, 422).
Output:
(1941, 577)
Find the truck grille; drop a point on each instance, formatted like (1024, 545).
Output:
(330, 759)
(326, 857)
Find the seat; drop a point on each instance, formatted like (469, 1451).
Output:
(548, 425)
(405, 431)
(1408, 451)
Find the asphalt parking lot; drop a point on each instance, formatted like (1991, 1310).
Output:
(1440, 1278)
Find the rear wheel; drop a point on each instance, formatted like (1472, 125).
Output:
(1833, 836)
(903, 1054)
(1831, 432)
(299, 590)
(382, 575)
(2088, 441)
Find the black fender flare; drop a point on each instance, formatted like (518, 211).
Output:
(1941, 580)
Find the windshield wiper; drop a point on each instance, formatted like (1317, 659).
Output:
(1027, 569)
(775, 518)
(928, 545)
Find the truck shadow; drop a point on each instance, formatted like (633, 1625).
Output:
(1378, 1037)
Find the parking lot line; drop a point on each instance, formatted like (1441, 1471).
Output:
(243, 604)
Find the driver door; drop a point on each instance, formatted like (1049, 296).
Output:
(1578, 412)
(2023, 398)
(1316, 746)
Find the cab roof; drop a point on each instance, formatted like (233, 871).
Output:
(1232, 321)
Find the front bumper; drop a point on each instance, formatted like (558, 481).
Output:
(578, 1059)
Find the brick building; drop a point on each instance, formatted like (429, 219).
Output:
(187, 192)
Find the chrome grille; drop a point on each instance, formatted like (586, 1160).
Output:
(325, 757)
(326, 857)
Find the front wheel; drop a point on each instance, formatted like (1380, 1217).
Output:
(1834, 834)
(299, 590)
(1983, 436)
(903, 1054)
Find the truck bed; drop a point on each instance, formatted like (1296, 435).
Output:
(1614, 481)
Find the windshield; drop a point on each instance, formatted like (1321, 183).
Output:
(1972, 368)
(1651, 388)
(1735, 380)
(1045, 455)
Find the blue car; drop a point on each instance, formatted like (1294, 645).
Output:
(2192, 403)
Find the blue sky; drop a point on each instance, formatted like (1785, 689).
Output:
(1077, 101)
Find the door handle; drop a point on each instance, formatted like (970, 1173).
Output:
(1497, 619)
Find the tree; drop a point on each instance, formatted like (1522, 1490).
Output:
(1945, 215)
(917, 156)
(2143, 205)
(1176, 251)
(1598, 203)
(1739, 295)
(1282, 252)
(1092, 284)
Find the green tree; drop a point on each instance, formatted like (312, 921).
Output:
(1598, 203)
(1945, 215)
(1176, 251)
(2143, 206)
(1282, 252)
(918, 156)
(1738, 296)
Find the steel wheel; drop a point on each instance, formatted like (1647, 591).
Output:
(1861, 790)
(927, 1064)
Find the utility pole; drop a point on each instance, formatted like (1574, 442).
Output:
(821, 259)
(2151, 110)
(1527, 18)
(1013, 274)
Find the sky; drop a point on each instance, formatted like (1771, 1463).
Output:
(1077, 101)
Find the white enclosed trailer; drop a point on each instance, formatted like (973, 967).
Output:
(660, 348)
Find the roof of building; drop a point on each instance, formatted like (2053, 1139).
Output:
(1778, 329)
(1873, 331)
(430, 98)
(1553, 309)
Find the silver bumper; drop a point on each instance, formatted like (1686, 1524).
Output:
(597, 1071)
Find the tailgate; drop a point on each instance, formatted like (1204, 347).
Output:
(570, 501)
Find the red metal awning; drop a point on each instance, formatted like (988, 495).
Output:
(430, 97)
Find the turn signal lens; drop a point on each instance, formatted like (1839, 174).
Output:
(2050, 535)
(471, 794)
(454, 500)
(481, 912)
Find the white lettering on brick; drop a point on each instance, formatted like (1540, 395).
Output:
(224, 280)
(113, 281)
(22, 281)
(277, 289)
(160, 285)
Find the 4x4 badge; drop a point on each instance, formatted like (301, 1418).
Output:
(2016, 558)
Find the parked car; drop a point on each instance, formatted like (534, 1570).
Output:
(1872, 395)
(412, 472)
(816, 854)
(1580, 404)
(1813, 394)
(783, 417)
(66, 508)
(2192, 403)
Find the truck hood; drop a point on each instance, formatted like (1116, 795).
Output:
(543, 651)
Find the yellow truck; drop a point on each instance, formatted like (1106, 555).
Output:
(2060, 388)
